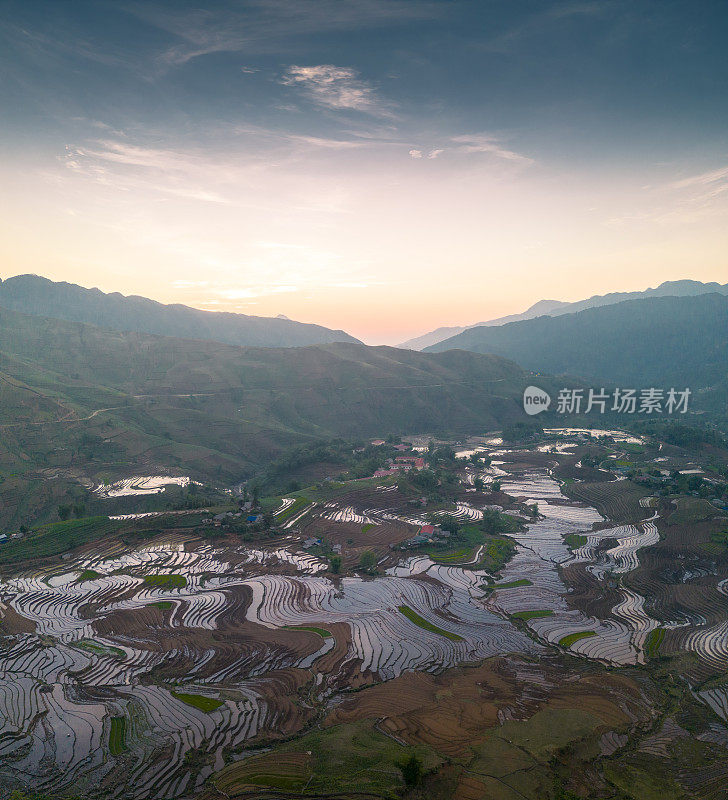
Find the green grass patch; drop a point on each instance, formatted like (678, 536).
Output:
(568, 640)
(321, 631)
(351, 759)
(413, 616)
(367, 527)
(654, 641)
(452, 557)
(169, 581)
(199, 701)
(57, 538)
(88, 575)
(575, 540)
(526, 615)
(100, 649)
(162, 605)
(298, 505)
(117, 736)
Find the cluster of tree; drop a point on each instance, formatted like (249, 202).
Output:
(368, 561)
(263, 528)
(521, 432)
(679, 434)
(436, 486)
(68, 510)
(357, 459)
(682, 484)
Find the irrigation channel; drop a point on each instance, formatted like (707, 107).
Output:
(110, 680)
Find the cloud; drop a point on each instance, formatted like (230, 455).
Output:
(334, 87)
(710, 184)
(270, 26)
(416, 153)
(435, 153)
(484, 143)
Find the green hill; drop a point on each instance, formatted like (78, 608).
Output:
(664, 341)
(32, 294)
(81, 403)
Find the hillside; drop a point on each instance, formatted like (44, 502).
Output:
(32, 294)
(81, 403)
(671, 341)
(553, 308)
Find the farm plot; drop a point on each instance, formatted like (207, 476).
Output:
(382, 639)
(141, 485)
(58, 738)
(196, 649)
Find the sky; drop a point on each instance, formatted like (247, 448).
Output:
(381, 166)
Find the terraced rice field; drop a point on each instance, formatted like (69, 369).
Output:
(142, 668)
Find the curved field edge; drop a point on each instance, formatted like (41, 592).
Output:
(415, 618)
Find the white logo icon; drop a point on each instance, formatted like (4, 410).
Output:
(535, 400)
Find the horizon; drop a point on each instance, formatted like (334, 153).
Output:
(385, 168)
(315, 322)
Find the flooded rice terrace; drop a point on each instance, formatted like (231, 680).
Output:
(108, 679)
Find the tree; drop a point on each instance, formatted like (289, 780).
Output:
(495, 486)
(64, 512)
(335, 564)
(256, 494)
(479, 484)
(368, 561)
(450, 524)
(411, 770)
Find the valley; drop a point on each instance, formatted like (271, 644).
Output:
(530, 579)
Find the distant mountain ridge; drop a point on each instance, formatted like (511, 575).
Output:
(655, 341)
(683, 288)
(33, 294)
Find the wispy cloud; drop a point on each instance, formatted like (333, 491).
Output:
(335, 87)
(685, 201)
(266, 26)
(473, 144)
(490, 145)
(708, 184)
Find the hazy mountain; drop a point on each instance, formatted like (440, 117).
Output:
(83, 402)
(552, 308)
(32, 294)
(658, 341)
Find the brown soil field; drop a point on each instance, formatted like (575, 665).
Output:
(452, 711)
(616, 500)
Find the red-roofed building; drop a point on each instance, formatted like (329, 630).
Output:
(415, 461)
(427, 530)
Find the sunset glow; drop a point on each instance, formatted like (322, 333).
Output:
(384, 188)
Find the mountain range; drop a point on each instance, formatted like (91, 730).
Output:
(32, 294)
(657, 341)
(553, 308)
